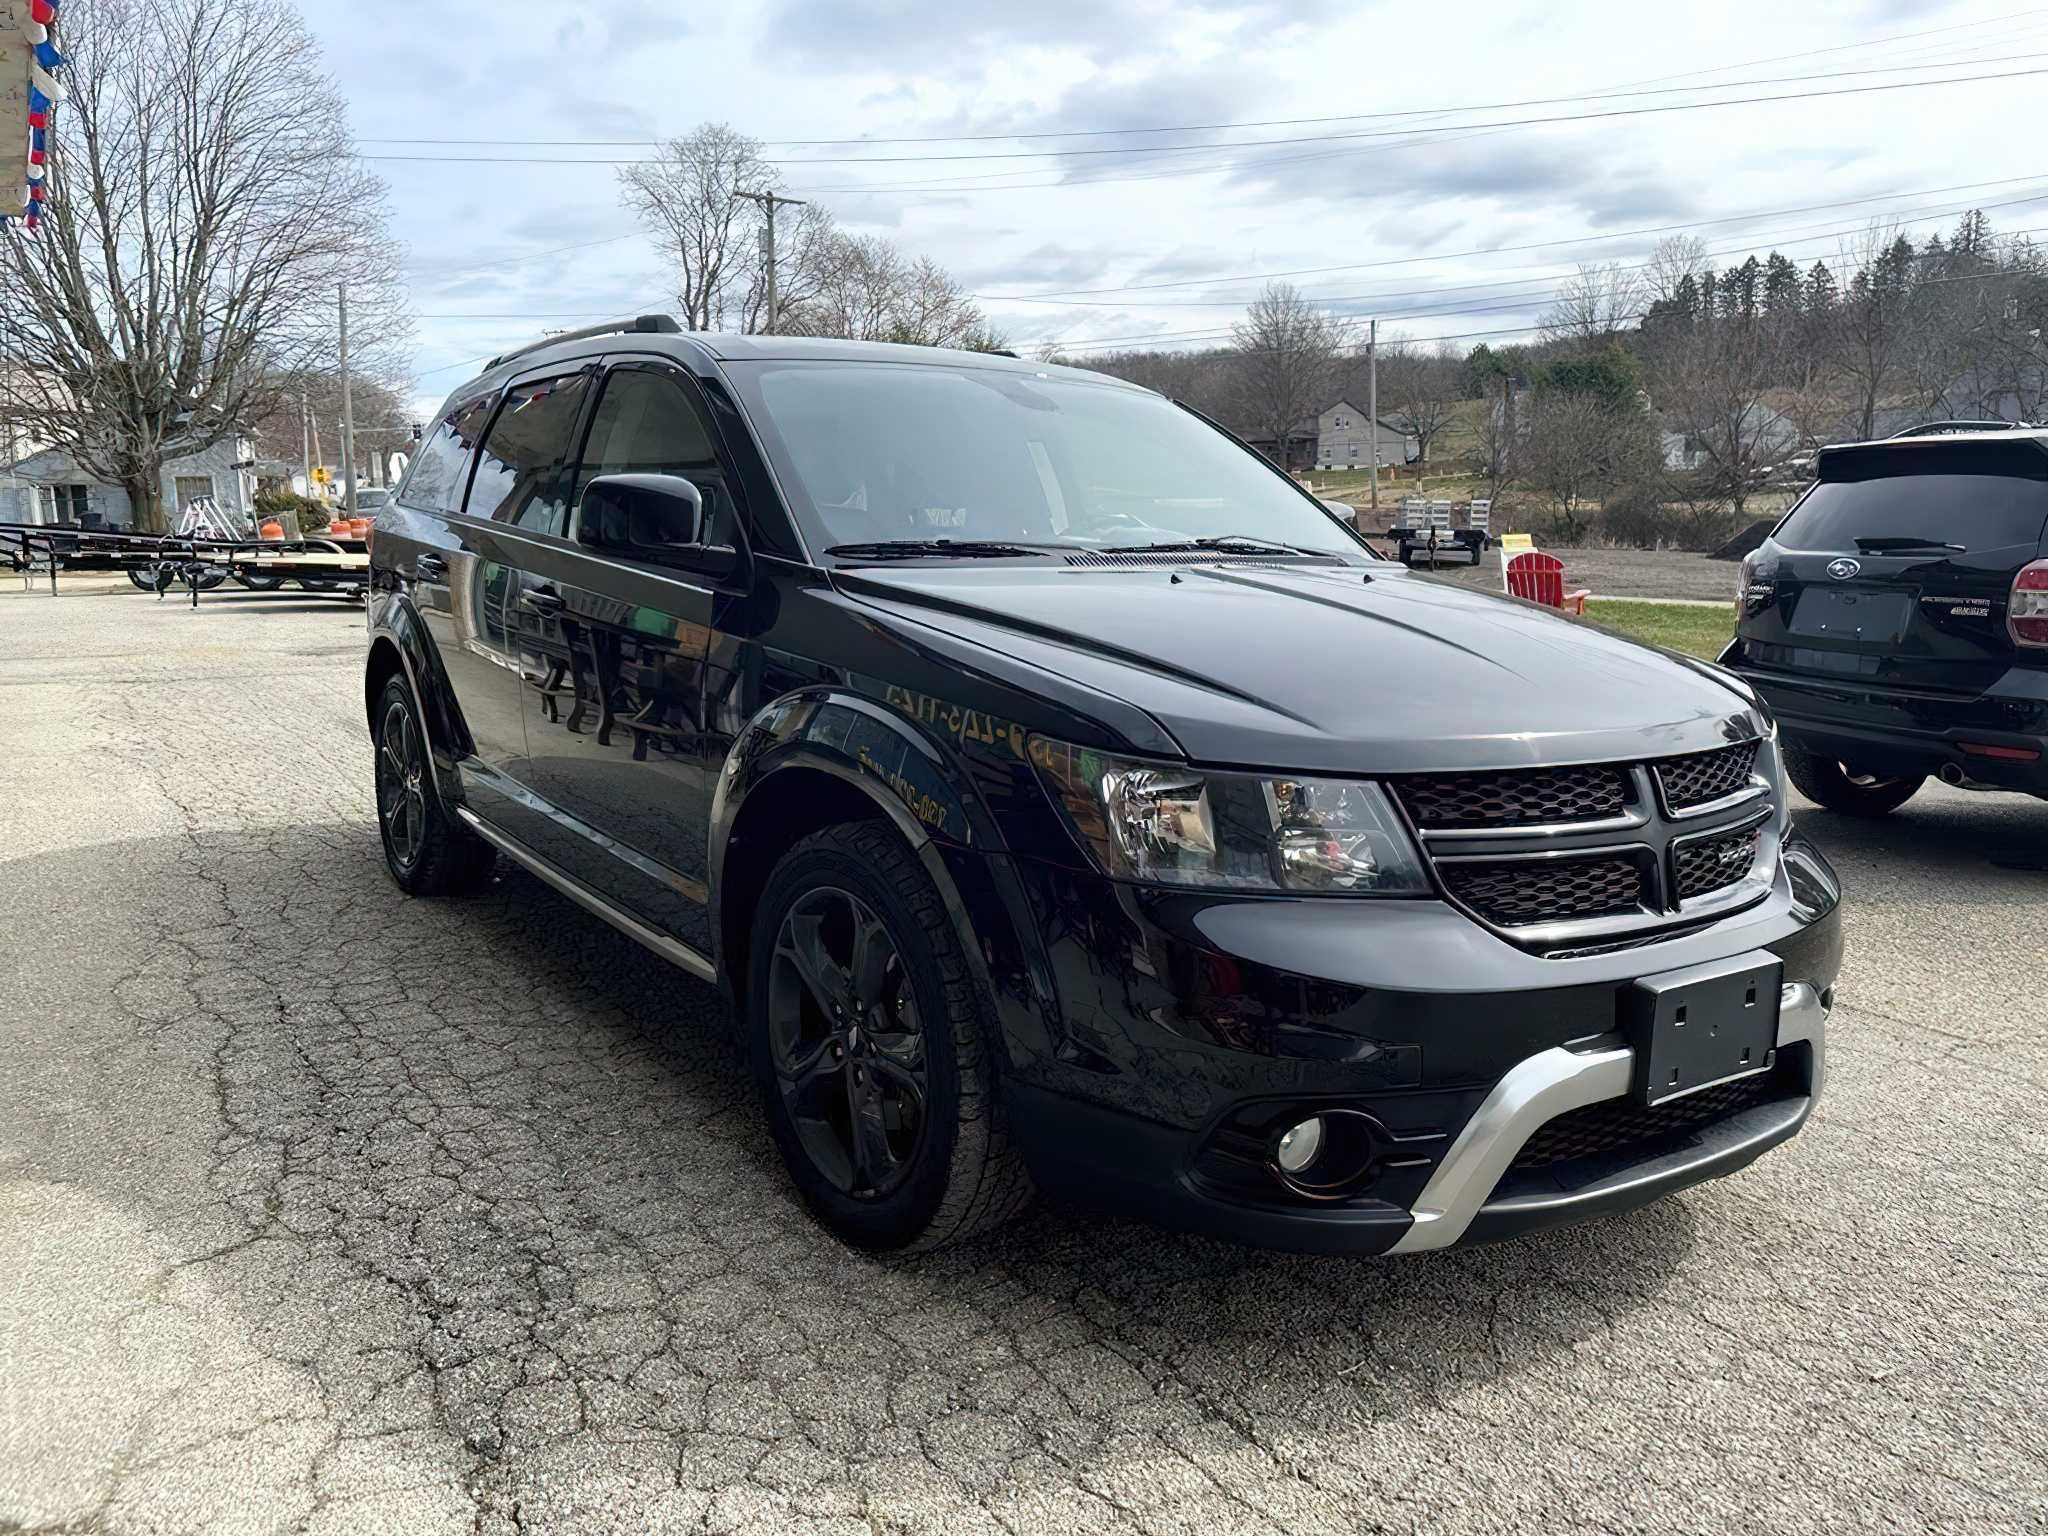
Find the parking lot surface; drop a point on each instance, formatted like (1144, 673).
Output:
(322, 1209)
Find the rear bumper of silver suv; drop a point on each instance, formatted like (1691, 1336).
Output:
(1466, 1199)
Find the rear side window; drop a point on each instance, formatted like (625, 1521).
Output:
(1975, 495)
(435, 483)
(520, 473)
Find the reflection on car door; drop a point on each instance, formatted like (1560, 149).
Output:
(518, 482)
(612, 659)
(460, 595)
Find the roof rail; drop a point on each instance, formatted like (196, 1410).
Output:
(639, 325)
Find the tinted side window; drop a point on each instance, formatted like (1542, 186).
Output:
(647, 423)
(435, 482)
(520, 473)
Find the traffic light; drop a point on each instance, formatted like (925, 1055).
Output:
(321, 476)
(419, 431)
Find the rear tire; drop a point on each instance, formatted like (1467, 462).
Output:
(260, 583)
(428, 852)
(870, 1048)
(1840, 788)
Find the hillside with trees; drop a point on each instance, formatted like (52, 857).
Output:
(1664, 403)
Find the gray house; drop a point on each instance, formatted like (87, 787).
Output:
(1345, 439)
(1773, 433)
(51, 487)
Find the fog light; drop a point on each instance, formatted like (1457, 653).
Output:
(1299, 1145)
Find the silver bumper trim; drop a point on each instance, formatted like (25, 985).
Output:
(1553, 1083)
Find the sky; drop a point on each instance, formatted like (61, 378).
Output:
(1395, 173)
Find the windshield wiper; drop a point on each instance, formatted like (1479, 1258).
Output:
(1881, 545)
(920, 549)
(1228, 543)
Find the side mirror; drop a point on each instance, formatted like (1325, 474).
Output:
(646, 516)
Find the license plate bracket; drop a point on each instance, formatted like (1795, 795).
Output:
(1863, 615)
(1704, 1025)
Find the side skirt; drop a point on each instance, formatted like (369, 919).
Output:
(671, 950)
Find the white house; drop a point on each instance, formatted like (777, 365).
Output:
(1345, 441)
(52, 487)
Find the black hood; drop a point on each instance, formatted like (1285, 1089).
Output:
(1343, 669)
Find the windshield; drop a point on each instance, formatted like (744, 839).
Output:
(876, 453)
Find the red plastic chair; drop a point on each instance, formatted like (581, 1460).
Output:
(1539, 578)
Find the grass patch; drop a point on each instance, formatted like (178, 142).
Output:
(1701, 632)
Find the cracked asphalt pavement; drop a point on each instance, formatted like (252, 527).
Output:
(322, 1209)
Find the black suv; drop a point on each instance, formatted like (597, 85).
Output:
(1065, 799)
(1897, 619)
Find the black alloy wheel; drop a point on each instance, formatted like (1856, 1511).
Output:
(847, 1044)
(871, 1042)
(401, 788)
(428, 852)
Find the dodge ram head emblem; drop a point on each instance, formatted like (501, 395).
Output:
(1842, 570)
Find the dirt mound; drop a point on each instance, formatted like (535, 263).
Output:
(1746, 541)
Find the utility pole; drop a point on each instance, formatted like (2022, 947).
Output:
(769, 202)
(1372, 410)
(348, 419)
(306, 438)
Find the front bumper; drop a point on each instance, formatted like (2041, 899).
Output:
(1467, 1199)
(1194, 1030)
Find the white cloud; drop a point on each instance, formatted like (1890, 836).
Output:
(807, 69)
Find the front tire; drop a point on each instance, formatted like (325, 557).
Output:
(428, 852)
(870, 1048)
(1846, 791)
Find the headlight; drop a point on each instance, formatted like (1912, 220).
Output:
(1183, 826)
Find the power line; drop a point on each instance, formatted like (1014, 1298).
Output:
(1230, 127)
(1789, 237)
(1527, 122)
(1492, 250)
(1187, 338)
(965, 184)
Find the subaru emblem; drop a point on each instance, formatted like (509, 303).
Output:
(1842, 570)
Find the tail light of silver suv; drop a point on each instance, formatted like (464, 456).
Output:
(2026, 616)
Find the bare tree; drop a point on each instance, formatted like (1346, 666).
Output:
(1676, 261)
(1501, 435)
(205, 202)
(1581, 450)
(1710, 383)
(1419, 391)
(1286, 364)
(1595, 303)
(1869, 332)
(694, 199)
(868, 290)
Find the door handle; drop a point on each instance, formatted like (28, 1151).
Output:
(430, 568)
(542, 600)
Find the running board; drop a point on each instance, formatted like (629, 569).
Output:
(671, 950)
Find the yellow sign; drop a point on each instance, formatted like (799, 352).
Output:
(321, 476)
(1513, 544)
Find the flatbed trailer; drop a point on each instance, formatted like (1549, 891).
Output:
(1428, 530)
(156, 563)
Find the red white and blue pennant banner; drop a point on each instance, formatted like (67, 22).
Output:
(29, 91)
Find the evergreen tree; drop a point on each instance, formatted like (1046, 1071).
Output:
(1783, 297)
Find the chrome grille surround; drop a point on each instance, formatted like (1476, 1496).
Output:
(1563, 886)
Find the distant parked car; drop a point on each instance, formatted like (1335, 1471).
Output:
(1896, 620)
(1952, 428)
